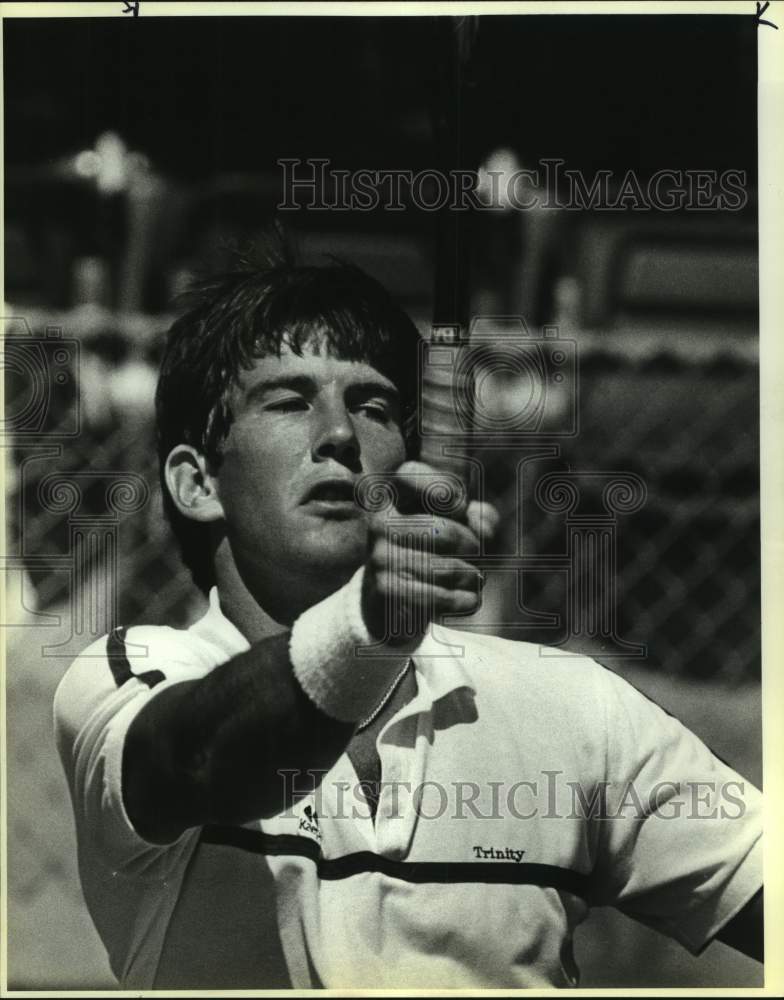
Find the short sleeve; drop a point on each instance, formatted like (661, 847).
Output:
(680, 837)
(100, 695)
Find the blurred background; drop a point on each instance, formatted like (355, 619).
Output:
(140, 153)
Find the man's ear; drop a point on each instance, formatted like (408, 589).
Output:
(192, 487)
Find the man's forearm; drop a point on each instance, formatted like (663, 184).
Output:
(211, 750)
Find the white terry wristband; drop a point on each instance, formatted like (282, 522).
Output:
(323, 653)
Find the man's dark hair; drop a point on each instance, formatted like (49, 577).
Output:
(234, 318)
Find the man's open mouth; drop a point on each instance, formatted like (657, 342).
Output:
(331, 491)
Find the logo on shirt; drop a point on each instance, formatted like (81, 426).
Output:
(309, 823)
(498, 853)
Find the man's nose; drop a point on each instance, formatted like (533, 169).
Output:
(336, 438)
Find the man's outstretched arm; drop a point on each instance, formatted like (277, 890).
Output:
(211, 750)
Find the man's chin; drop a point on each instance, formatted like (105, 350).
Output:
(338, 547)
(324, 573)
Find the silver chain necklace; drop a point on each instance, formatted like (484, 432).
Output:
(389, 692)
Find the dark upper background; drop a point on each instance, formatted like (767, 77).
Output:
(203, 95)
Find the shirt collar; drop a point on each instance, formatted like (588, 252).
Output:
(441, 660)
(215, 628)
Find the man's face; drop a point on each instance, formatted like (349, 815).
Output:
(305, 428)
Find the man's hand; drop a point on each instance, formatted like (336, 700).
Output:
(412, 576)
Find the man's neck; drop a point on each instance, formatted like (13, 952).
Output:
(259, 614)
(240, 606)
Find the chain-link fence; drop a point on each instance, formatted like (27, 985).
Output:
(679, 583)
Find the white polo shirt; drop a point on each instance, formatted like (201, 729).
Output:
(519, 787)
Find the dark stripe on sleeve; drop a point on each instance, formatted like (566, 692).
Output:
(151, 677)
(118, 661)
(444, 872)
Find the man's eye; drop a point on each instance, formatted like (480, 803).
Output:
(288, 404)
(376, 411)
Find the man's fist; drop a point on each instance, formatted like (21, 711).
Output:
(414, 570)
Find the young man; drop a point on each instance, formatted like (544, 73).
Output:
(260, 803)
